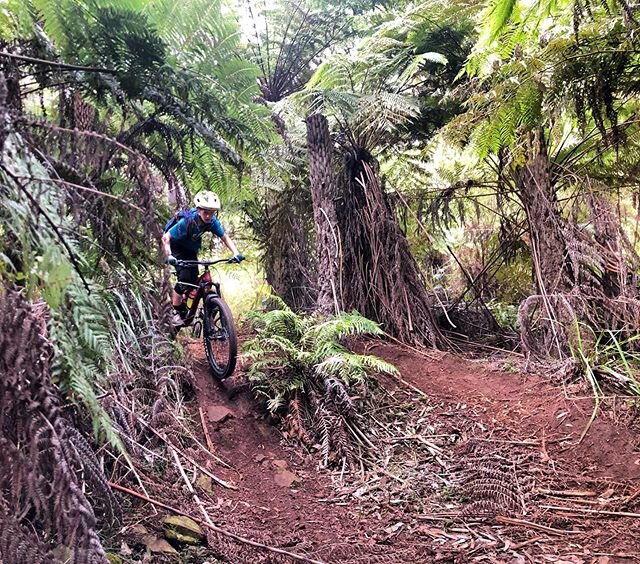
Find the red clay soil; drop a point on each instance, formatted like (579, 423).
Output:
(530, 407)
(582, 501)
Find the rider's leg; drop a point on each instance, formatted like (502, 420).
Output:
(187, 278)
(179, 308)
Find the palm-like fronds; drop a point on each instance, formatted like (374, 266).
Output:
(334, 330)
(288, 39)
(282, 322)
(352, 367)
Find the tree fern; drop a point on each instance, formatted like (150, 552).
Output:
(302, 361)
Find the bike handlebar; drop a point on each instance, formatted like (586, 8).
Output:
(204, 262)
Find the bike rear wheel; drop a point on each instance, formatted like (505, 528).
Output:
(219, 336)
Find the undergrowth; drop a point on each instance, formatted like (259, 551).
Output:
(303, 370)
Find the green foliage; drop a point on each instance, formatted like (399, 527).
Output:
(193, 113)
(81, 339)
(303, 370)
(78, 201)
(499, 16)
(582, 65)
(394, 79)
(306, 346)
(610, 362)
(289, 38)
(35, 260)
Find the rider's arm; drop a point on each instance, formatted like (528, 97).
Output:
(217, 229)
(177, 233)
(166, 244)
(230, 244)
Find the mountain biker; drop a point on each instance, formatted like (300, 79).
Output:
(183, 241)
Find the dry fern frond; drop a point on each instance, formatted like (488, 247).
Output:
(43, 454)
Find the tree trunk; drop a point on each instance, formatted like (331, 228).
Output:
(547, 228)
(289, 266)
(323, 196)
(381, 279)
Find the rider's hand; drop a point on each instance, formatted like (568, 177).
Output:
(172, 260)
(238, 258)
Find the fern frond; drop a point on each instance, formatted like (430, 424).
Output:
(292, 374)
(354, 368)
(344, 325)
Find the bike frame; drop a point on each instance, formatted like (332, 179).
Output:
(205, 285)
(213, 321)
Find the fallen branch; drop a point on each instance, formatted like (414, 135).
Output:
(205, 513)
(545, 454)
(536, 526)
(591, 511)
(216, 529)
(205, 430)
(166, 440)
(526, 442)
(204, 449)
(215, 478)
(569, 493)
(414, 349)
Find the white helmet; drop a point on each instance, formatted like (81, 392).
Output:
(207, 200)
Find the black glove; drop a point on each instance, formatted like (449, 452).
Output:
(238, 258)
(172, 260)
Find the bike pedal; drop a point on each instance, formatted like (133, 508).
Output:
(196, 330)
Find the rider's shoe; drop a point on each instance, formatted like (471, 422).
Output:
(176, 320)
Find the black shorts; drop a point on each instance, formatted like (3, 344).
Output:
(187, 275)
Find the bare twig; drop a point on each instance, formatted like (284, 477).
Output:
(591, 511)
(215, 478)
(55, 63)
(536, 526)
(570, 493)
(195, 440)
(80, 187)
(168, 442)
(190, 487)
(205, 430)
(162, 437)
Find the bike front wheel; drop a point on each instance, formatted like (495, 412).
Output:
(219, 336)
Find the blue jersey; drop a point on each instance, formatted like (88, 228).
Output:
(187, 234)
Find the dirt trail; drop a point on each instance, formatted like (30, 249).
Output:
(530, 407)
(487, 415)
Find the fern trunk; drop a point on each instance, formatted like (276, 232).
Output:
(323, 196)
(586, 282)
(547, 228)
(289, 266)
(381, 278)
(44, 459)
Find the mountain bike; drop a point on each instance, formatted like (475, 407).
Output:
(213, 320)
